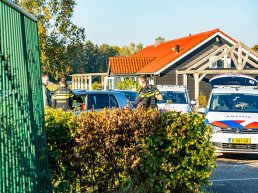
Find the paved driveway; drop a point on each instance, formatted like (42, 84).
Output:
(235, 174)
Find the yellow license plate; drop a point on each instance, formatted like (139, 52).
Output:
(240, 140)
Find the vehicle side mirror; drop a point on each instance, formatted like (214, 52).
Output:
(202, 110)
(193, 103)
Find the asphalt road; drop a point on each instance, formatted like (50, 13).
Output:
(235, 174)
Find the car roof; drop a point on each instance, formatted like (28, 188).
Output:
(81, 92)
(176, 88)
(241, 89)
(125, 91)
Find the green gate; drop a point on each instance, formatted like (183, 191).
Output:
(23, 148)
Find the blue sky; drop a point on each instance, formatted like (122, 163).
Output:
(120, 22)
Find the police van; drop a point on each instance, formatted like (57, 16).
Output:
(232, 113)
(175, 98)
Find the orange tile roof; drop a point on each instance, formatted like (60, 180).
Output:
(157, 57)
(128, 65)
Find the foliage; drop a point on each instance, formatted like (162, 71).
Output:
(130, 50)
(202, 99)
(96, 86)
(57, 33)
(128, 151)
(255, 48)
(60, 128)
(128, 84)
(93, 58)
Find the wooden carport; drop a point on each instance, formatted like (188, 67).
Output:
(244, 58)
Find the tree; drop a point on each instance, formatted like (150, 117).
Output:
(255, 48)
(130, 50)
(56, 33)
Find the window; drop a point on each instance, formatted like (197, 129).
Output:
(220, 63)
(171, 97)
(98, 101)
(234, 103)
(113, 102)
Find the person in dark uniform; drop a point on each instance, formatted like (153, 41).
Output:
(46, 93)
(63, 97)
(148, 95)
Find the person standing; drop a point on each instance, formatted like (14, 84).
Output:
(63, 97)
(148, 95)
(46, 93)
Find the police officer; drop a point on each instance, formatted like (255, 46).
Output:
(63, 97)
(148, 95)
(46, 93)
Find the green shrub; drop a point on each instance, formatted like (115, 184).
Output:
(96, 86)
(128, 84)
(129, 151)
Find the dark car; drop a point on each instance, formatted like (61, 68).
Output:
(97, 100)
(131, 95)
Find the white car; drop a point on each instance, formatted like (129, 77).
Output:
(175, 98)
(233, 114)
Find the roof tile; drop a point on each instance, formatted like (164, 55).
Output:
(155, 57)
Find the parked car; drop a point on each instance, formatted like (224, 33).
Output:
(232, 113)
(175, 98)
(131, 96)
(97, 100)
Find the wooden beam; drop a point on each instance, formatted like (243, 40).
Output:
(249, 61)
(239, 57)
(207, 57)
(201, 77)
(219, 56)
(233, 58)
(249, 49)
(226, 60)
(176, 78)
(185, 80)
(196, 86)
(245, 60)
(201, 57)
(220, 71)
(90, 82)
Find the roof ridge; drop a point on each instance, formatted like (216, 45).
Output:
(133, 57)
(194, 35)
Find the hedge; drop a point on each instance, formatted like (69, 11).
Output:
(128, 151)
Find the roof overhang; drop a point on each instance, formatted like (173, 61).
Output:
(18, 8)
(193, 49)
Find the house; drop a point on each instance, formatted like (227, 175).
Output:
(189, 61)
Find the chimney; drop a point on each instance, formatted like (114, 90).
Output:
(177, 48)
(159, 40)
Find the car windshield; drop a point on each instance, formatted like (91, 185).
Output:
(171, 97)
(234, 103)
(131, 95)
(98, 101)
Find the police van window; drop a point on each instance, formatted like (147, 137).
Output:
(113, 102)
(98, 101)
(171, 97)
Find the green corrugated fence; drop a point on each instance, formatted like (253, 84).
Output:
(23, 147)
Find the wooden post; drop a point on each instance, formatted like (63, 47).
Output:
(196, 87)
(102, 80)
(76, 82)
(72, 82)
(225, 59)
(176, 78)
(245, 60)
(90, 82)
(239, 58)
(185, 80)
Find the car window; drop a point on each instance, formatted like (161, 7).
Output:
(98, 101)
(170, 97)
(131, 95)
(113, 102)
(234, 102)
